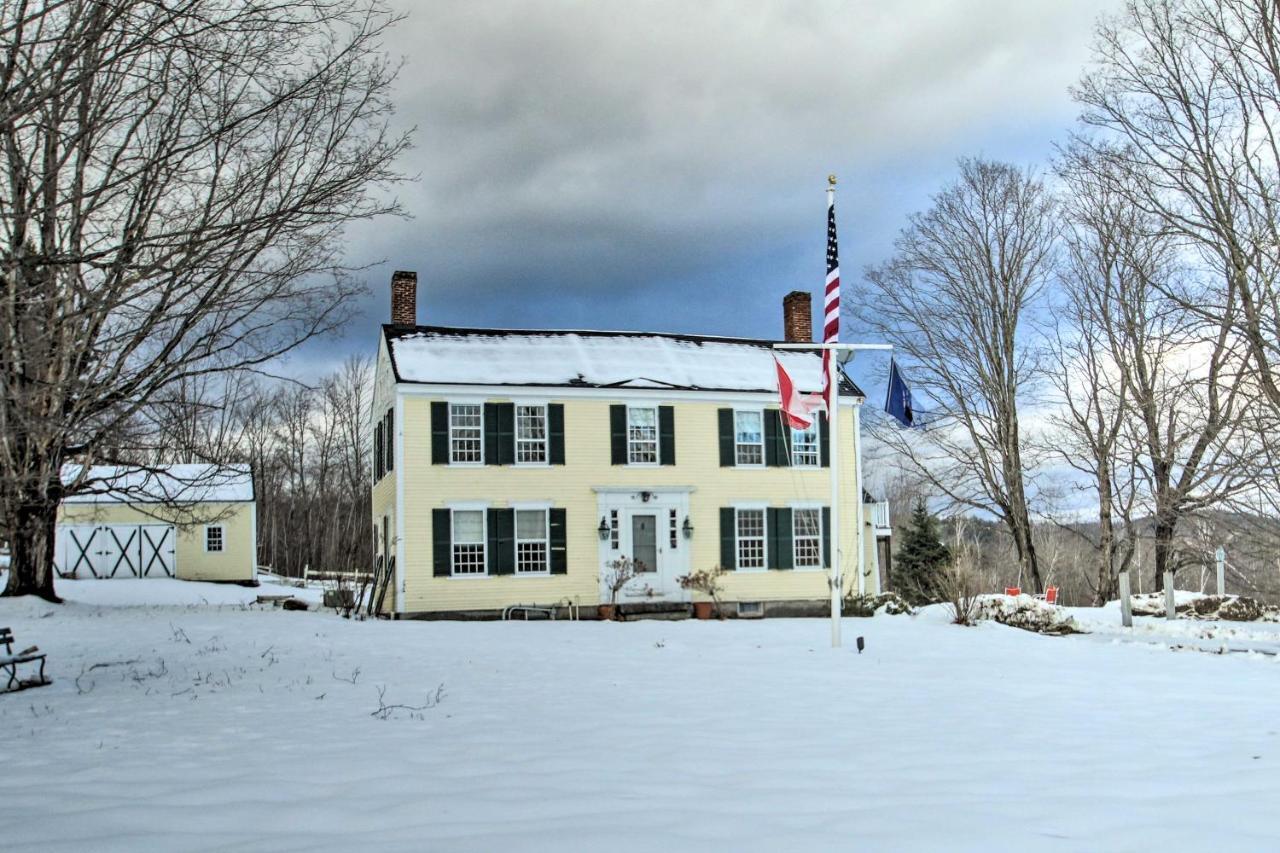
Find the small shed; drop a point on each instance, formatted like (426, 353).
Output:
(192, 522)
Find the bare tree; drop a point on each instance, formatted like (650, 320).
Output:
(1184, 97)
(1105, 244)
(177, 178)
(1174, 406)
(955, 301)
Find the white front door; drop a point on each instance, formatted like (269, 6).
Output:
(650, 534)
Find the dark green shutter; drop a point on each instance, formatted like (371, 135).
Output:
(559, 551)
(439, 433)
(781, 555)
(826, 537)
(777, 434)
(618, 434)
(727, 458)
(441, 536)
(391, 440)
(666, 435)
(377, 452)
(499, 433)
(824, 439)
(728, 538)
(500, 552)
(555, 433)
(506, 433)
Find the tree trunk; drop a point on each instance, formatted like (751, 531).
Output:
(31, 550)
(1108, 579)
(1163, 550)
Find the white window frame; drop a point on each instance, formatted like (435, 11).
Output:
(657, 436)
(452, 458)
(222, 538)
(544, 509)
(822, 533)
(817, 448)
(763, 509)
(545, 441)
(483, 509)
(737, 457)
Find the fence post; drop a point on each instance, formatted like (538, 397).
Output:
(1170, 606)
(1221, 555)
(1126, 606)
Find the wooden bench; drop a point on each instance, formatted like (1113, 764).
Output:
(9, 663)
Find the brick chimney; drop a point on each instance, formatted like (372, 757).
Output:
(797, 317)
(404, 298)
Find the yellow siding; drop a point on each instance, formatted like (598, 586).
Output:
(236, 561)
(587, 458)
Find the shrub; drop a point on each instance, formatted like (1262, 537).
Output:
(705, 581)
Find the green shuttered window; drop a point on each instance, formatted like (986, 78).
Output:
(498, 541)
(749, 438)
(496, 433)
(779, 538)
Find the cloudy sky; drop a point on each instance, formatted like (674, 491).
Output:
(662, 165)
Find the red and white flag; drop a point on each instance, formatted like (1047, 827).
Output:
(797, 408)
(830, 303)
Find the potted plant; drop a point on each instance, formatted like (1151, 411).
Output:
(618, 574)
(707, 582)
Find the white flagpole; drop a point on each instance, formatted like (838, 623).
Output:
(833, 442)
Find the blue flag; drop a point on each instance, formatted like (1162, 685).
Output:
(898, 401)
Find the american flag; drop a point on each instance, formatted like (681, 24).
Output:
(831, 302)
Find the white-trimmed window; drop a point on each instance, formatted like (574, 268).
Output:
(468, 541)
(531, 434)
(751, 535)
(466, 432)
(532, 545)
(642, 435)
(804, 447)
(806, 537)
(213, 538)
(613, 529)
(748, 436)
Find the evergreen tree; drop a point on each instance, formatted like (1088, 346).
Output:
(920, 558)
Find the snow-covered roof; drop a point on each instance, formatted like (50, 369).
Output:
(589, 359)
(183, 484)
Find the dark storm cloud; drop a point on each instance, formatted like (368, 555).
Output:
(661, 165)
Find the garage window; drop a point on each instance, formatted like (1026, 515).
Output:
(213, 538)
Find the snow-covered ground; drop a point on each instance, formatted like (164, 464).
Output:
(205, 723)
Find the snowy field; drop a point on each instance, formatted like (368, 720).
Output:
(204, 723)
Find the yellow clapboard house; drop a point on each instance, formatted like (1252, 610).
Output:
(513, 466)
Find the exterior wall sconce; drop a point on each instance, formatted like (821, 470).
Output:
(603, 529)
(688, 528)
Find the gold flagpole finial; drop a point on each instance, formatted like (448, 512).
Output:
(831, 179)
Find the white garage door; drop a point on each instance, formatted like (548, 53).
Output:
(115, 550)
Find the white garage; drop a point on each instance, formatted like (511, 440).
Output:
(191, 522)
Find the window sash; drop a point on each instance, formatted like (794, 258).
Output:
(466, 432)
(533, 546)
(750, 529)
(804, 447)
(467, 549)
(806, 538)
(748, 438)
(531, 434)
(213, 538)
(642, 435)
